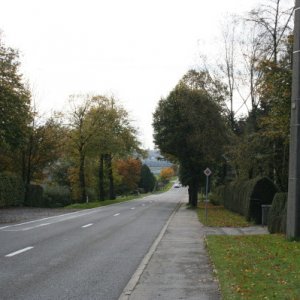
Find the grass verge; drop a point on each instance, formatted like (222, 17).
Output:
(256, 267)
(218, 216)
(104, 203)
(118, 200)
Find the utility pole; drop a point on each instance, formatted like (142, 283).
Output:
(293, 205)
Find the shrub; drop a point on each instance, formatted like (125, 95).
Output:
(277, 214)
(34, 196)
(12, 190)
(56, 196)
(214, 199)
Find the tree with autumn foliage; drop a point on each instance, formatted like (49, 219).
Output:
(129, 171)
(166, 174)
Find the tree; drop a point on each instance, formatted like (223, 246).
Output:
(15, 113)
(116, 138)
(189, 126)
(274, 20)
(82, 129)
(130, 171)
(42, 148)
(147, 181)
(229, 66)
(166, 174)
(203, 80)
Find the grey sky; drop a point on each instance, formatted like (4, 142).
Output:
(135, 49)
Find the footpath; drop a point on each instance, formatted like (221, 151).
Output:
(179, 267)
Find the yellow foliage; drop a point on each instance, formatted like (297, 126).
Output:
(166, 173)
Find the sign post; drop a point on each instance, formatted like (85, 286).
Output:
(207, 173)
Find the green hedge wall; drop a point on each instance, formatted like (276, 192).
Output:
(246, 197)
(12, 190)
(219, 193)
(34, 196)
(56, 196)
(277, 214)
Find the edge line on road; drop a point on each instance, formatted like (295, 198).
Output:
(42, 219)
(129, 288)
(74, 212)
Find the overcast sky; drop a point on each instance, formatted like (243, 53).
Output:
(136, 50)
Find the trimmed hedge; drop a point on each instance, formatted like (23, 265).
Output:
(246, 197)
(277, 214)
(34, 195)
(219, 194)
(12, 190)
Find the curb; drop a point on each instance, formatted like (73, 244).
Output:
(129, 288)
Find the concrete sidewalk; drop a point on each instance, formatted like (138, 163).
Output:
(179, 267)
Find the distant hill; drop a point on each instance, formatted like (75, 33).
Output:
(156, 162)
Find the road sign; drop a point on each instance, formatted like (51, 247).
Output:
(207, 172)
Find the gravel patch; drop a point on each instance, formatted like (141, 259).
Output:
(20, 214)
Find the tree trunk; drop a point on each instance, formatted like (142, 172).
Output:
(101, 178)
(82, 178)
(112, 195)
(193, 188)
(28, 171)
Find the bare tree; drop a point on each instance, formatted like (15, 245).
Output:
(274, 20)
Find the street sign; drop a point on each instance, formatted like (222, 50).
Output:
(207, 172)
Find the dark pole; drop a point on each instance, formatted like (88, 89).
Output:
(293, 205)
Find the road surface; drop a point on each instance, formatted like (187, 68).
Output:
(90, 254)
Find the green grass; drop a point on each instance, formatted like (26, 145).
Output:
(256, 267)
(104, 203)
(218, 216)
(118, 200)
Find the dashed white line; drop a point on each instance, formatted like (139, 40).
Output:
(132, 208)
(116, 214)
(18, 252)
(87, 225)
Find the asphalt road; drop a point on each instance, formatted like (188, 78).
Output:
(89, 254)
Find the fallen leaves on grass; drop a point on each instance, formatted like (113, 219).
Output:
(256, 267)
(218, 216)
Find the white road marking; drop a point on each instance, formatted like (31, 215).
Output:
(67, 216)
(116, 214)
(87, 225)
(18, 252)
(132, 208)
(37, 226)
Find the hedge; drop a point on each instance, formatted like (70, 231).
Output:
(219, 193)
(246, 197)
(12, 190)
(56, 196)
(34, 195)
(277, 214)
